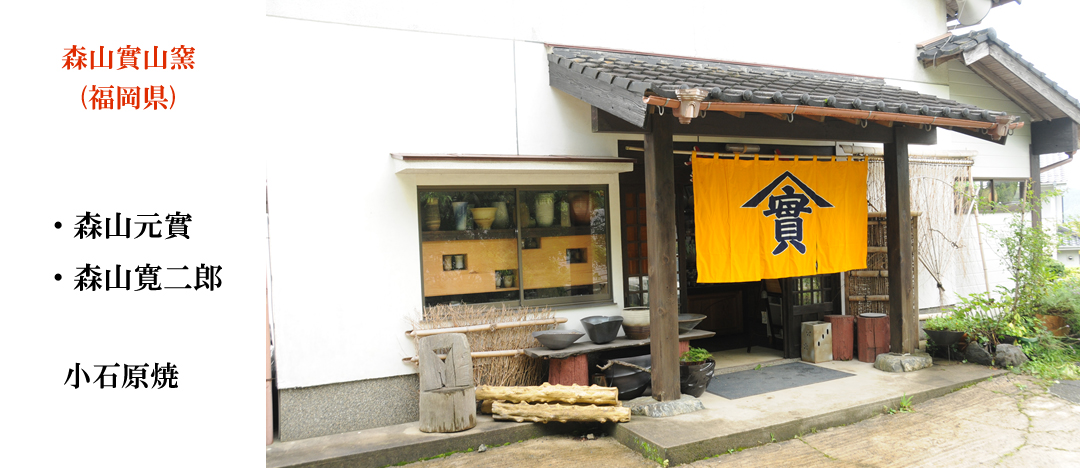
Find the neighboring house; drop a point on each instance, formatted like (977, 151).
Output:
(439, 103)
(1068, 249)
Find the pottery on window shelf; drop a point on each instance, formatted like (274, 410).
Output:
(581, 208)
(432, 217)
(484, 217)
(502, 216)
(545, 209)
(461, 215)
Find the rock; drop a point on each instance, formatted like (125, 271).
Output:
(590, 436)
(978, 354)
(482, 448)
(647, 406)
(896, 362)
(1010, 356)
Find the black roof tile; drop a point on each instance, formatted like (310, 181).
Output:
(956, 44)
(730, 82)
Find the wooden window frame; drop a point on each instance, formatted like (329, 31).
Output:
(521, 301)
(992, 205)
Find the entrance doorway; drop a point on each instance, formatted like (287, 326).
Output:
(736, 312)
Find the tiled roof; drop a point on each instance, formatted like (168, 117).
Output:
(952, 46)
(738, 83)
(1068, 240)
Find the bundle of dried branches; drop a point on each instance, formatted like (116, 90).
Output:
(503, 370)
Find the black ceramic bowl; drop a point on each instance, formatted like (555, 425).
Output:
(631, 382)
(602, 329)
(687, 322)
(557, 339)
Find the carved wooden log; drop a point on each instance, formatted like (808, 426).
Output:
(543, 412)
(843, 338)
(546, 393)
(447, 393)
(873, 337)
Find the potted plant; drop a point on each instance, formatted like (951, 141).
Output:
(944, 331)
(696, 368)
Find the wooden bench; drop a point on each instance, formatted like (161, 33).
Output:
(570, 365)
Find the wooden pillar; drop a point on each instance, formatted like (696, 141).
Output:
(1036, 186)
(663, 296)
(903, 318)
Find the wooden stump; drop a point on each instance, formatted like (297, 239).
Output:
(873, 337)
(447, 393)
(843, 340)
(573, 370)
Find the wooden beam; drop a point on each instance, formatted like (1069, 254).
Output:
(618, 101)
(755, 125)
(903, 317)
(663, 295)
(1055, 136)
(976, 54)
(737, 115)
(977, 133)
(816, 118)
(1029, 78)
(886, 123)
(1035, 184)
(872, 298)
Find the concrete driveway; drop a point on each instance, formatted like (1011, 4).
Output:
(1010, 421)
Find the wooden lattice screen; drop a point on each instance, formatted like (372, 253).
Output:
(868, 290)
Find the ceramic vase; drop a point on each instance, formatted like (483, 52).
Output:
(432, 221)
(636, 323)
(580, 208)
(545, 209)
(502, 217)
(461, 215)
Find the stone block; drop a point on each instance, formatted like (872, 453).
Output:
(816, 341)
(647, 406)
(977, 354)
(1009, 356)
(896, 362)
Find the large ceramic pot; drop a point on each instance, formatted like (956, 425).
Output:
(694, 377)
(631, 382)
(461, 215)
(484, 217)
(545, 209)
(1054, 324)
(502, 216)
(432, 218)
(636, 323)
(580, 208)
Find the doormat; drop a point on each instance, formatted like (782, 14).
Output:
(770, 379)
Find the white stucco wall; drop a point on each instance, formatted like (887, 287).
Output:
(366, 79)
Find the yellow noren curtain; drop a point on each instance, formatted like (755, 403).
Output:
(776, 219)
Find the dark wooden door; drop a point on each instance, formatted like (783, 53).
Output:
(807, 299)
